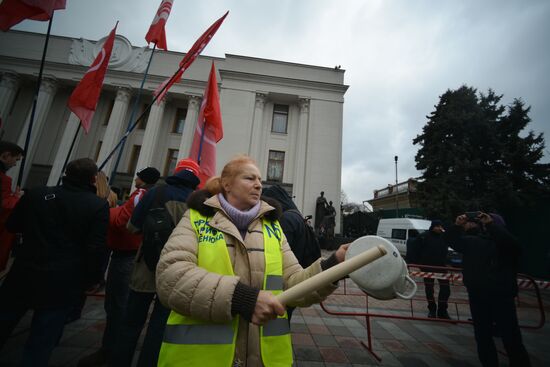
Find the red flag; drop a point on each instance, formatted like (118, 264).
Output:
(84, 99)
(15, 11)
(190, 56)
(210, 120)
(156, 33)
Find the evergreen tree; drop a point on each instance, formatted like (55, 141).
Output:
(473, 158)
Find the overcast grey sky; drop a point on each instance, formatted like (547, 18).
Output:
(399, 57)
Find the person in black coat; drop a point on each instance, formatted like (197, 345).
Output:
(490, 262)
(64, 233)
(301, 239)
(429, 248)
(305, 248)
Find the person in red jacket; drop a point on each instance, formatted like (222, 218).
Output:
(124, 246)
(10, 154)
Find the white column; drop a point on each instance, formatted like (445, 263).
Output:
(65, 144)
(48, 87)
(8, 89)
(189, 127)
(115, 126)
(256, 148)
(301, 147)
(150, 137)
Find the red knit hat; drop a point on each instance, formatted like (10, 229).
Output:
(188, 164)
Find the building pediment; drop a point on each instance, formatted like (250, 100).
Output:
(124, 57)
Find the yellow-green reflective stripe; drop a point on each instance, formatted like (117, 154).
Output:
(274, 283)
(276, 327)
(199, 334)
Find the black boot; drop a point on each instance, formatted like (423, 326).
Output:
(432, 309)
(442, 312)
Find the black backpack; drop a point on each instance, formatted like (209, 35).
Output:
(157, 227)
(312, 249)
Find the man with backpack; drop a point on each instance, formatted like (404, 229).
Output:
(155, 216)
(300, 236)
(123, 246)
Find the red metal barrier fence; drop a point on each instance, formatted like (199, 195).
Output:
(529, 299)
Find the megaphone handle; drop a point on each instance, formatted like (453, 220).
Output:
(411, 295)
(330, 275)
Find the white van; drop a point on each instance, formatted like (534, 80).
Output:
(399, 230)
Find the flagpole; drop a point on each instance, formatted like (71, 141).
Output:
(134, 108)
(131, 128)
(35, 99)
(69, 154)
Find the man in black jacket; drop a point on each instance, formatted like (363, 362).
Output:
(490, 261)
(429, 248)
(301, 239)
(64, 231)
(304, 246)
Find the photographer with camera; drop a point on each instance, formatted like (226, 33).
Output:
(490, 261)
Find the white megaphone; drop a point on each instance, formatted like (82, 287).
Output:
(385, 278)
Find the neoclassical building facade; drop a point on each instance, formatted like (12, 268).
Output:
(287, 116)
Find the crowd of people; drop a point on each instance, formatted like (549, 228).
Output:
(212, 286)
(210, 262)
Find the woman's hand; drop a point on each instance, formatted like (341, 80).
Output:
(341, 252)
(267, 308)
(485, 218)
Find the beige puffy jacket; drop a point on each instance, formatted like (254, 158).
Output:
(190, 290)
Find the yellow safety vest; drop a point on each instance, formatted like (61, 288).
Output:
(193, 342)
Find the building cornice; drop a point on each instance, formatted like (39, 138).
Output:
(281, 81)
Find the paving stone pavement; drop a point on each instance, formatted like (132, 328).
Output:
(323, 339)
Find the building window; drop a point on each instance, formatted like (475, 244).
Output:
(108, 114)
(171, 160)
(275, 166)
(134, 159)
(179, 121)
(98, 149)
(143, 122)
(280, 118)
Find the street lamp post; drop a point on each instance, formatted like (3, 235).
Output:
(396, 191)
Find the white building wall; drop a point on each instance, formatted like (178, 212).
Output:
(249, 88)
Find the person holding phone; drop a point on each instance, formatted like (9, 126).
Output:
(490, 262)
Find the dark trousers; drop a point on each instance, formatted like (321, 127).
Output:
(116, 295)
(443, 296)
(137, 310)
(46, 330)
(500, 311)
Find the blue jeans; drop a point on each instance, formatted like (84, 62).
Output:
(46, 330)
(116, 295)
(137, 310)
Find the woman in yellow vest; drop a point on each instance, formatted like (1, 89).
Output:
(220, 271)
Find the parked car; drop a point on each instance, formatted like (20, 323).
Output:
(399, 230)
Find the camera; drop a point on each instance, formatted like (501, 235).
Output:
(472, 216)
